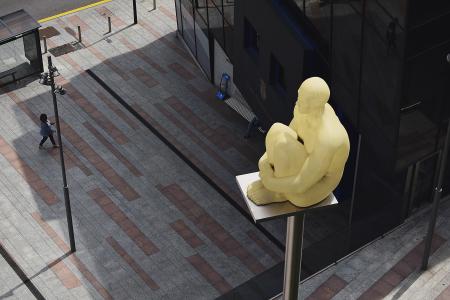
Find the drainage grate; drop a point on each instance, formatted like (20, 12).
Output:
(64, 49)
(48, 32)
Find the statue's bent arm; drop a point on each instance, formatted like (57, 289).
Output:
(314, 169)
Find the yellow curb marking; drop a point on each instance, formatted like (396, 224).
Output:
(73, 11)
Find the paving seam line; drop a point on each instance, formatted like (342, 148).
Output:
(184, 158)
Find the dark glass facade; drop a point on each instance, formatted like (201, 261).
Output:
(200, 22)
(385, 61)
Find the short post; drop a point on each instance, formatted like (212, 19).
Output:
(44, 39)
(109, 25)
(154, 4)
(134, 12)
(79, 33)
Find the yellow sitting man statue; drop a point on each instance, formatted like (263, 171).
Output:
(304, 161)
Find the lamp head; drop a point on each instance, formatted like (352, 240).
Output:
(55, 71)
(60, 90)
(44, 79)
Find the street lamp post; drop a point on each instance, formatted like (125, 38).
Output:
(49, 79)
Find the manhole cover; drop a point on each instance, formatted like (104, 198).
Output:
(48, 32)
(64, 49)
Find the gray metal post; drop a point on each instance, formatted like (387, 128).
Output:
(154, 4)
(61, 157)
(436, 200)
(44, 39)
(134, 12)
(293, 256)
(79, 33)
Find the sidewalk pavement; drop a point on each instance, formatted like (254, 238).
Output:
(389, 268)
(147, 225)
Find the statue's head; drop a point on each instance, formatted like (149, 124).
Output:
(313, 93)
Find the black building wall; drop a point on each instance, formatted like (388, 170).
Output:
(276, 38)
(390, 83)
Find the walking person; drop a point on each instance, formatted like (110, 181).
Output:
(46, 131)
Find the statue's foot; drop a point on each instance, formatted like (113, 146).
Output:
(260, 195)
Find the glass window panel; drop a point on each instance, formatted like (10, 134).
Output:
(178, 13)
(393, 8)
(188, 25)
(202, 9)
(423, 11)
(229, 14)
(217, 4)
(203, 46)
(346, 57)
(277, 76)
(228, 31)
(300, 4)
(319, 13)
(216, 25)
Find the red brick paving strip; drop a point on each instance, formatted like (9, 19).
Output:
(99, 163)
(211, 275)
(95, 114)
(70, 159)
(160, 37)
(76, 20)
(328, 289)
(132, 263)
(121, 114)
(117, 215)
(67, 278)
(167, 12)
(112, 149)
(118, 70)
(73, 258)
(30, 176)
(207, 171)
(101, 96)
(220, 136)
(172, 118)
(264, 246)
(444, 295)
(198, 123)
(115, 21)
(405, 267)
(142, 55)
(210, 227)
(181, 71)
(145, 78)
(186, 233)
(72, 62)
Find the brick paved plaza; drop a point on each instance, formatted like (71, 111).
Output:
(149, 225)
